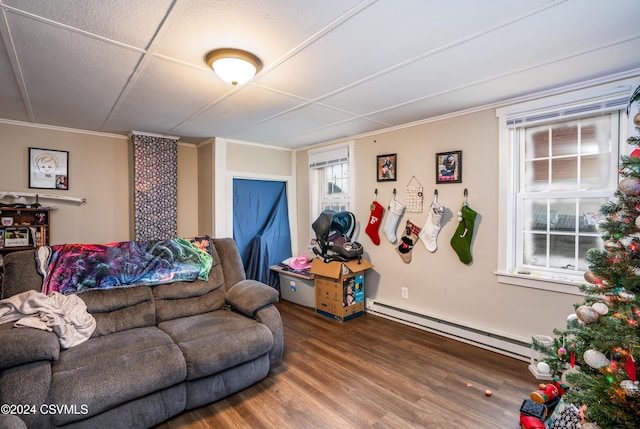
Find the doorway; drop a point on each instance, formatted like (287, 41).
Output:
(261, 225)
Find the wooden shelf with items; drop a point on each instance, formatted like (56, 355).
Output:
(23, 228)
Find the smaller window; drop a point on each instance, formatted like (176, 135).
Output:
(336, 187)
(330, 179)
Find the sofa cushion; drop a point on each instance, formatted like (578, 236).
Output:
(230, 260)
(145, 412)
(181, 299)
(24, 345)
(20, 273)
(120, 309)
(167, 309)
(213, 342)
(110, 370)
(206, 390)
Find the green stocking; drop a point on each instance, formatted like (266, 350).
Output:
(461, 240)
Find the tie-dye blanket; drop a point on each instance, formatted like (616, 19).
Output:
(76, 268)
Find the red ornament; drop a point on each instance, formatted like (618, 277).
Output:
(630, 367)
(635, 152)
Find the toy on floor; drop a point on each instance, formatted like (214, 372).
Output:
(545, 393)
(529, 422)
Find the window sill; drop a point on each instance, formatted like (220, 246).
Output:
(537, 281)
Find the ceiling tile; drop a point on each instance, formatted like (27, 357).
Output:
(383, 36)
(472, 63)
(514, 85)
(246, 106)
(290, 123)
(268, 29)
(336, 131)
(156, 101)
(69, 77)
(129, 22)
(12, 105)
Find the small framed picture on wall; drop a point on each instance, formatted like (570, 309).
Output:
(449, 167)
(48, 169)
(387, 167)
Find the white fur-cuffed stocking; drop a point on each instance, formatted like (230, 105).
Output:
(431, 229)
(395, 212)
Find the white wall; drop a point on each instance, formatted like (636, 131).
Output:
(220, 161)
(439, 284)
(99, 172)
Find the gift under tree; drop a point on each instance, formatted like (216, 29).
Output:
(598, 353)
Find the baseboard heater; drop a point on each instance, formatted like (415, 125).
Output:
(497, 343)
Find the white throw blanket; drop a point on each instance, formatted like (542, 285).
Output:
(65, 315)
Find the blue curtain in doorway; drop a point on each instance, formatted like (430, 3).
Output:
(261, 226)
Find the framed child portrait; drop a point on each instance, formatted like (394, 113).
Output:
(449, 167)
(387, 167)
(48, 169)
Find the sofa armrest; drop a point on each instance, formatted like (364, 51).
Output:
(12, 421)
(249, 296)
(270, 316)
(24, 345)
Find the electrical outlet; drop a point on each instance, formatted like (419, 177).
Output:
(405, 293)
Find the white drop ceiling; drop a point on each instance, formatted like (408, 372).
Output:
(333, 69)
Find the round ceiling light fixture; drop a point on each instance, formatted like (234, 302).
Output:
(234, 66)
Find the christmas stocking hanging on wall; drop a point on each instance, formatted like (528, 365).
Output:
(461, 240)
(396, 210)
(407, 241)
(375, 218)
(431, 228)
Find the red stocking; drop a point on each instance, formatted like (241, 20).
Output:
(374, 222)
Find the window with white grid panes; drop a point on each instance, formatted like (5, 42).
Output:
(566, 172)
(335, 187)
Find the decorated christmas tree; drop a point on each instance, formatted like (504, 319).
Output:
(597, 354)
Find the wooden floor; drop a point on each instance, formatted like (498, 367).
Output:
(372, 373)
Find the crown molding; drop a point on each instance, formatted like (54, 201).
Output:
(63, 129)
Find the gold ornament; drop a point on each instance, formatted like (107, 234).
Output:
(629, 186)
(573, 321)
(600, 307)
(587, 314)
(630, 388)
(612, 245)
(626, 296)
